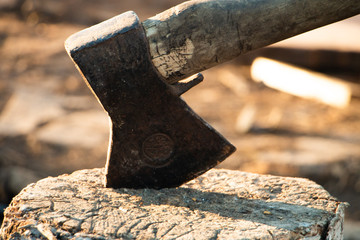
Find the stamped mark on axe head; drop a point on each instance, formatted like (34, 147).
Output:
(156, 140)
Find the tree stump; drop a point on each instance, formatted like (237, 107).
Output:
(221, 204)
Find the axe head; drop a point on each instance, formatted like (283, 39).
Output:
(156, 140)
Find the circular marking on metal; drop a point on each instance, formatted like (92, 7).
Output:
(158, 148)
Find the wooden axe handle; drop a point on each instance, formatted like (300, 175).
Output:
(200, 34)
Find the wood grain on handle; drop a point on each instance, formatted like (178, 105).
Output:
(200, 34)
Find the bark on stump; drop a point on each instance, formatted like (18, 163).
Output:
(220, 204)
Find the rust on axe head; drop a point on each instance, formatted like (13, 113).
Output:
(156, 140)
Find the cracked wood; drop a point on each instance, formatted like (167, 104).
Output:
(221, 204)
(197, 35)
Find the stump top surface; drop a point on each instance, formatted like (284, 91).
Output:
(221, 204)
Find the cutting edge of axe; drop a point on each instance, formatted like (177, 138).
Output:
(133, 68)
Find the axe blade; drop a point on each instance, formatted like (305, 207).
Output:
(156, 140)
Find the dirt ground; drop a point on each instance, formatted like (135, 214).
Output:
(42, 96)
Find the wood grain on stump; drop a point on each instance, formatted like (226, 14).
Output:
(220, 204)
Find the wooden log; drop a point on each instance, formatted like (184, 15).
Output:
(197, 35)
(221, 204)
(301, 82)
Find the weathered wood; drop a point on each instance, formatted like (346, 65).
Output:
(221, 204)
(197, 35)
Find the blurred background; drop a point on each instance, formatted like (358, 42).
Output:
(51, 124)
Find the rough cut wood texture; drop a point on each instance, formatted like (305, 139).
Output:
(197, 35)
(221, 204)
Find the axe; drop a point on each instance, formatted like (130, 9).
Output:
(136, 71)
